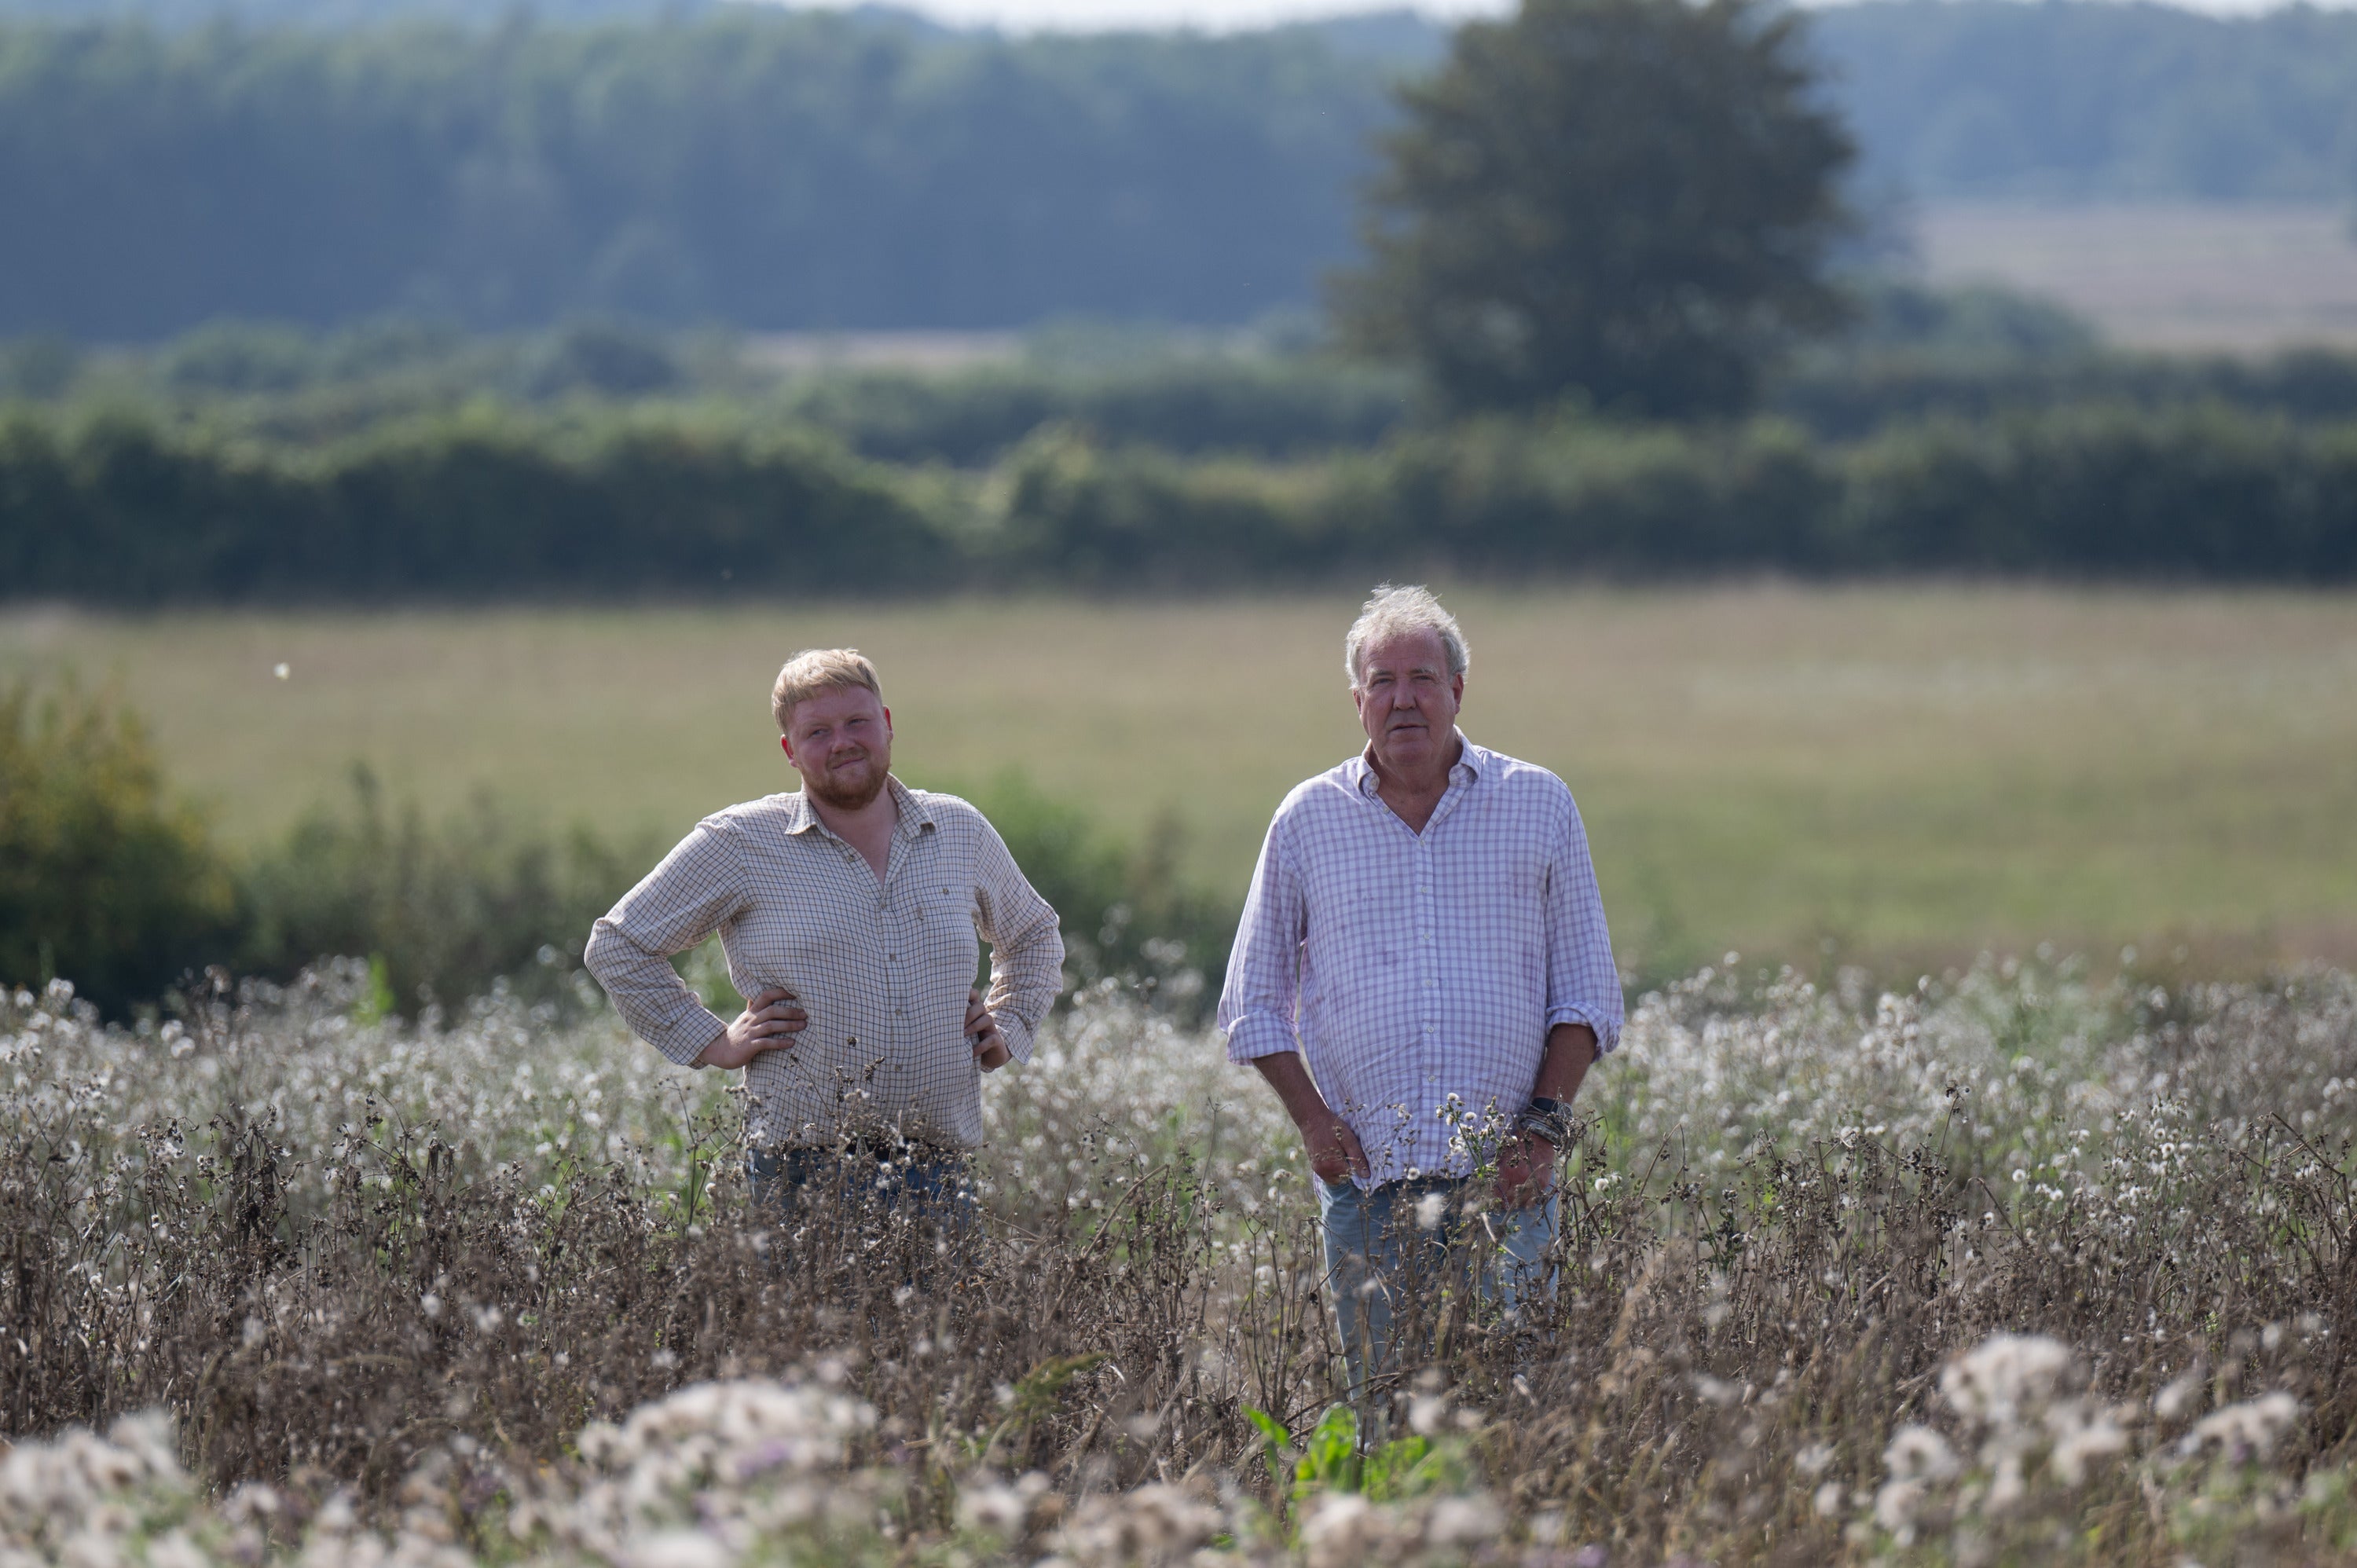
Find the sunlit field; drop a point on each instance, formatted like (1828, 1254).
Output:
(2232, 278)
(1906, 773)
(2020, 1269)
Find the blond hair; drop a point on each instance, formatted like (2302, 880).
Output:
(1393, 610)
(817, 670)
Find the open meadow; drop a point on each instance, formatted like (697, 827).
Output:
(1909, 774)
(2234, 277)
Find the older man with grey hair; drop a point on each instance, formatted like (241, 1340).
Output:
(1424, 976)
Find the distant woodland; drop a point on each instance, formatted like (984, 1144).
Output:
(687, 163)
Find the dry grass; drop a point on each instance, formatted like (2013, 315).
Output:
(1906, 772)
(2230, 277)
(399, 1277)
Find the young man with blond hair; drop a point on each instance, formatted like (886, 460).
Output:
(1424, 977)
(850, 912)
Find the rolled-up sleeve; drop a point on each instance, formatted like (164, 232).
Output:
(1027, 947)
(1583, 984)
(1264, 986)
(699, 887)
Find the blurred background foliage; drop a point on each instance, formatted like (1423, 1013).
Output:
(374, 303)
(109, 879)
(754, 166)
(1622, 200)
(702, 161)
(617, 303)
(2084, 472)
(105, 875)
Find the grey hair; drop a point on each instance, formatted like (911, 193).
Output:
(1395, 609)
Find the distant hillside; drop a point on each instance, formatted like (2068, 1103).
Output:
(2107, 99)
(348, 14)
(1987, 98)
(717, 160)
(769, 169)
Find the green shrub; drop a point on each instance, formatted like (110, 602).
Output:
(119, 507)
(595, 503)
(1124, 911)
(447, 911)
(104, 880)
(443, 911)
(1267, 407)
(107, 881)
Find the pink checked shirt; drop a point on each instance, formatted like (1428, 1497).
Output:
(1410, 967)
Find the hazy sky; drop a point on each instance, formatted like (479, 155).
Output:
(1229, 14)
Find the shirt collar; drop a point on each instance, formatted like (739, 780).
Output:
(1471, 762)
(915, 814)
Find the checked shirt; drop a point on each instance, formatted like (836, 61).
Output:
(1408, 968)
(882, 968)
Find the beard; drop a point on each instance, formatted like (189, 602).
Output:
(853, 798)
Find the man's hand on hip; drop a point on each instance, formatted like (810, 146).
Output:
(770, 1023)
(990, 1052)
(1525, 1170)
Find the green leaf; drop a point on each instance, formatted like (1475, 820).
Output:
(1330, 1459)
(1277, 1442)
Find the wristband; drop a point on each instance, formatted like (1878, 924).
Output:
(1550, 1120)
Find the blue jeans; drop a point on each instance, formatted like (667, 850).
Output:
(1425, 1237)
(909, 1183)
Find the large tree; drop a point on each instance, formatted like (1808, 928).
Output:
(1629, 199)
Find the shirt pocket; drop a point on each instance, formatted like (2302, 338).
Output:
(951, 916)
(1360, 930)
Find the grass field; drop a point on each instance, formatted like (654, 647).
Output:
(2217, 277)
(1899, 773)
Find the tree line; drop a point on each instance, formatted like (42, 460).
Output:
(511, 505)
(779, 169)
(763, 168)
(1909, 354)
(2068, 100)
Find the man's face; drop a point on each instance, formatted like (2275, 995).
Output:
(840, 743)
(1408, 700)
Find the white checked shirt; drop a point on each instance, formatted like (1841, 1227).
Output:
(1421, 965)
(882, 968)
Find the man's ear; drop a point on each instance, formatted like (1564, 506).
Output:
(786, 743)
(888, 723)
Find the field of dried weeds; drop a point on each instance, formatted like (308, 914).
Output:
(2017, 1267)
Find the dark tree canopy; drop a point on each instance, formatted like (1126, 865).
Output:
(1630, 199)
